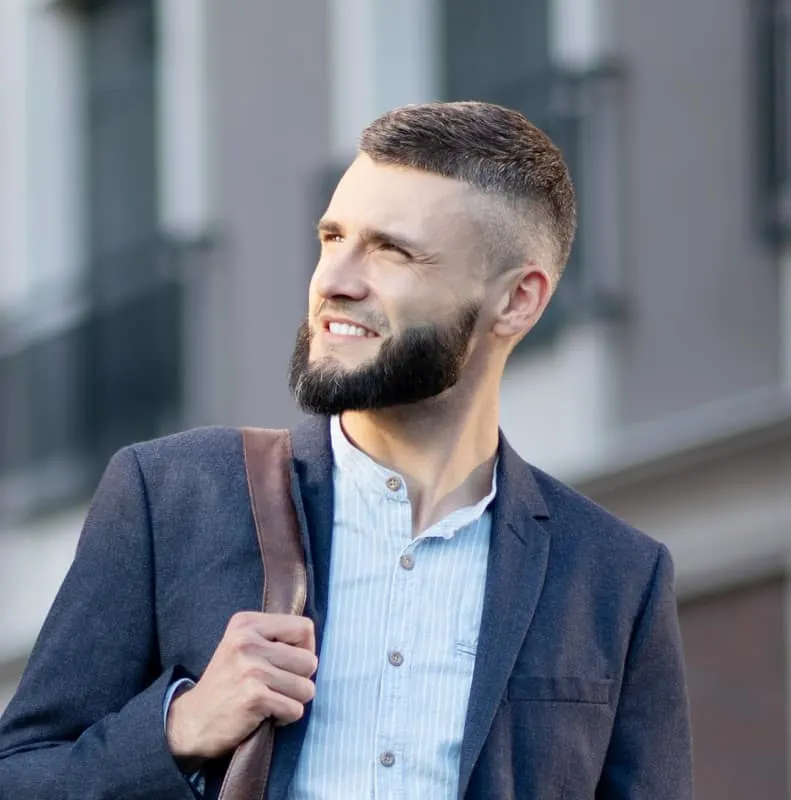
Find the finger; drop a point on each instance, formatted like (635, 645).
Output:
(284, 709)
(289, 658)
(288, 628)
(288, 684)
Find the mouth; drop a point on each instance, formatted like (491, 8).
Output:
(345, 329)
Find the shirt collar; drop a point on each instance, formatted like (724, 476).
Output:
(371, 477)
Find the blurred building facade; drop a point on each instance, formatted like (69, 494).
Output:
(162, 165)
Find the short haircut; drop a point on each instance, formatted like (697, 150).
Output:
(503, 156)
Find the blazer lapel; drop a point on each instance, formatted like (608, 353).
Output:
(312, 491)
(518, 556)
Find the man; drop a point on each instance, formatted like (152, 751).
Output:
(481, 630)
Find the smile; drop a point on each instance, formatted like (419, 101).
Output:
(345, 329)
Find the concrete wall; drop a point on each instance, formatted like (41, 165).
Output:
(269, 117)
(703, 315)
(735, 650)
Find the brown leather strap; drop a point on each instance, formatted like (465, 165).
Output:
(267, 455)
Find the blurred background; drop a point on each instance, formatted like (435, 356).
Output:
(162, 166)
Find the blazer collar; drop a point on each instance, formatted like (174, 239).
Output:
(518, 489)
(313, 468)
(518, 492)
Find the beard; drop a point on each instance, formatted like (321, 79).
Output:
(416, 365)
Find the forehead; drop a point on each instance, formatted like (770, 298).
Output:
(429, 207)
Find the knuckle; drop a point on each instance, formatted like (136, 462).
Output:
(305, 624)
(240, 645)
(295, 711)
(257, 675)
(307, 691)
(254, 688)
(273, 650)
(260, 700)
(239, 620)
(302, 668)
(307, 665)
(252, 701)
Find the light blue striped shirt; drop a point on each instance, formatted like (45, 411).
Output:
(399, 644)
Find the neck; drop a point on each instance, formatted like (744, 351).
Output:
(445, 448)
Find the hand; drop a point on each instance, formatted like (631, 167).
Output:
(262, 668)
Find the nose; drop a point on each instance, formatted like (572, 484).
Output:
(340, 276)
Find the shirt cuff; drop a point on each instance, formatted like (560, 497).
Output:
(196, 779)
(170, 694)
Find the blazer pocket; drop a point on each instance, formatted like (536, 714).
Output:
(559, 690)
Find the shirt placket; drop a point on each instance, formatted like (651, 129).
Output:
(392, 756)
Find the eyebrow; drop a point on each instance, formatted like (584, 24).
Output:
(374, 235)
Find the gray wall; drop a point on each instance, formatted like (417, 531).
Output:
(702, 290)
(269, 131)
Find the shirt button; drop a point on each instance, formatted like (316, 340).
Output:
(387, 759)
(393, 483)
(406, 561)
(396, 659)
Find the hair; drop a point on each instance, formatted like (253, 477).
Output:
(501, 154)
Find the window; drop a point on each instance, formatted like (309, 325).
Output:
(772, 40)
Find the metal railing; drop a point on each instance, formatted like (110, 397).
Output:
(581, 112)
(772, 51)
(108, 374)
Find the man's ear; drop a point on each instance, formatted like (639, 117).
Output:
(524, 295)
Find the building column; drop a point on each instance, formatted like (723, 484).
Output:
(188, 202)
(42, 220)
(580, 32)
(13, 155)
(185, 208)
(381, 55)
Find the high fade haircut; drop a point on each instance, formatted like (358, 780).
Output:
(527, 209)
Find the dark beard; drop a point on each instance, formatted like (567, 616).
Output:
(419, 364)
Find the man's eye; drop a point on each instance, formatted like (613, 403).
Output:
(393, 248)
(331, 237)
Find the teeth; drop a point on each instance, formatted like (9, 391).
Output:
(342, 329)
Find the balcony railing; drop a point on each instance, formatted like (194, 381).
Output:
(581, 112)
(105, 374)
(772, 48)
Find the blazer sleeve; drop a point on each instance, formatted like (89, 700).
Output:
(86, 720)
(650, 750)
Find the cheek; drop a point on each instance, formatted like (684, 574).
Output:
(427, 307)
(314, 300)
(407, 295)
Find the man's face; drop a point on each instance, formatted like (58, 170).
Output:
(396, 295)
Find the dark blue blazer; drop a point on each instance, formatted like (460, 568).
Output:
(578, 690)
